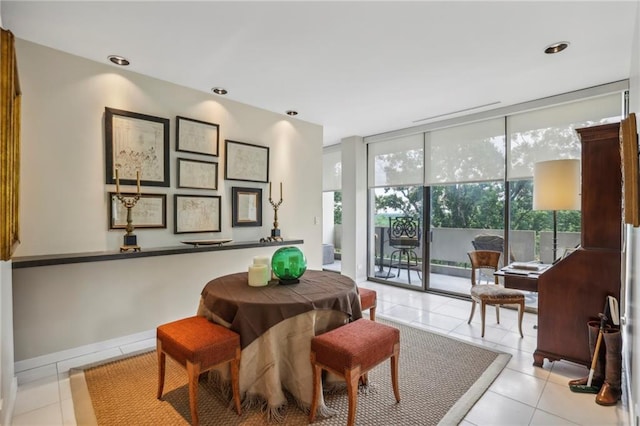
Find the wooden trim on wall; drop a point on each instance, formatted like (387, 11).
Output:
(10, 96)
(629, 151)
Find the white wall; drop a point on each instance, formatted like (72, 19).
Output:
(64, 202)
(9, 385)
(63, 195)
(354, 208)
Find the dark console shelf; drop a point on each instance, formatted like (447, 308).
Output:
(67, 258)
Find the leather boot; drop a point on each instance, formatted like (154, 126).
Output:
(612, 389)
(598, 375)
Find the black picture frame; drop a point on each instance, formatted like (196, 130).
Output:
(196, 174)
(134, 143)
(246, 207)
(149, 212)
(197, 137)
(197, 213)
(246, 162)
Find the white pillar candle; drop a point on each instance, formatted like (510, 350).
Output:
(264, 260)
(258, 275)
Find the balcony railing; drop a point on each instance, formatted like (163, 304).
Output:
(449, 247)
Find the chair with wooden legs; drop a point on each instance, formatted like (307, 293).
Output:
(491, 294)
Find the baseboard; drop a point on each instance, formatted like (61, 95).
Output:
(53, 358)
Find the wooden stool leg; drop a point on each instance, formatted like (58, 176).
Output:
(364, 379)
(394, 371)
(235, 380)
(498, 314)
(352, 377)
(161, 368)
(193, 371)
(372, 313)
(317, 373)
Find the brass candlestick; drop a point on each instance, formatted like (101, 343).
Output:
(275, 232)
(130, 240)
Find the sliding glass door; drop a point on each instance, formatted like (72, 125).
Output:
(470, 186)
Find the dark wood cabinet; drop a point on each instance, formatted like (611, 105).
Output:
(574, 290)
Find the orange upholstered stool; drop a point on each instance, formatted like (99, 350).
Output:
(368, 300)
(198, 345)
(350, 351)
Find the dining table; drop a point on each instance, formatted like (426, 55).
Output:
(276, 323)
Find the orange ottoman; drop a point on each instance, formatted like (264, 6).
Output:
(368, 300)
(351, 351)
(198, 345)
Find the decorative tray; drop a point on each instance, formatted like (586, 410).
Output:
(197, 243)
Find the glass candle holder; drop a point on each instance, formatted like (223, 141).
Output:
(288, 264)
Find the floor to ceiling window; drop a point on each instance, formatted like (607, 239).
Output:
(469, 183)
(396, 212)
(543, 135)
(465, 176)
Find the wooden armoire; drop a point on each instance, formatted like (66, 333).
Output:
(574, 290)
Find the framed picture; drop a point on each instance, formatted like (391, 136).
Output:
(9, 147)
(197, 174)
(196, 213)
(136, 143)
(246, 206)
(149, 212)
(244, 161)
(629, 152)
(197, 136)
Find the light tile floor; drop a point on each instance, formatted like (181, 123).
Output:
(521, 395)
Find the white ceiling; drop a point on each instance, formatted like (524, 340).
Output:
(357, 68)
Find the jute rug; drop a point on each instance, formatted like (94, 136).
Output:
(440, 380)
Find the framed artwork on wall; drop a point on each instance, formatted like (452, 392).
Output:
(9, 147)
(149, 212)
(629, 152)
(196, 213)
(198, 137)
(197, 174)
(244, 161)
(136, 143)
(246, 206)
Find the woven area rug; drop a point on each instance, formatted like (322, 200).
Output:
(440, 380)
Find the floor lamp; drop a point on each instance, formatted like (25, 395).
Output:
(556, 186)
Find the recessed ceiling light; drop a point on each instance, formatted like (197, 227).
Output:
(292, 112)
(556, 47)
(118, 60)
(219, 91)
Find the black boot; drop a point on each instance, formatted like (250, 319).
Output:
(612, 389)
(598, 375)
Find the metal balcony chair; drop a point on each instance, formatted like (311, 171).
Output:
(404, 237)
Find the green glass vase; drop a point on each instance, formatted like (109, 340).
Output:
(288, 264)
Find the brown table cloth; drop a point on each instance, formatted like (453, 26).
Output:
(276, 324)
(250, 311)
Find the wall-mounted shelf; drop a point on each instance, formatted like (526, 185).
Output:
(67, 258)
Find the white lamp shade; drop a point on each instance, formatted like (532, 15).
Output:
(556, 185)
